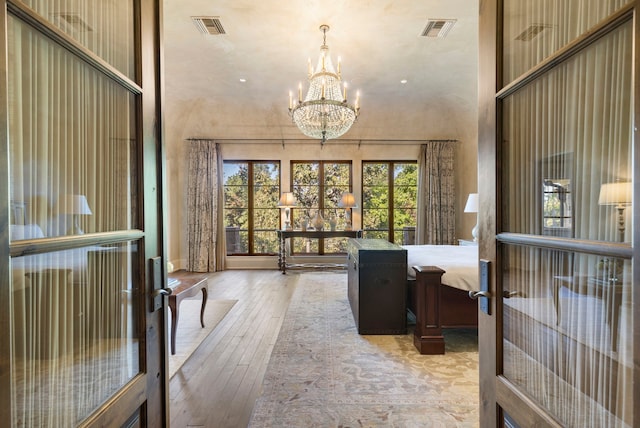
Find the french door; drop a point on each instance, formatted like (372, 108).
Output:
(559, 176)
(83, 340)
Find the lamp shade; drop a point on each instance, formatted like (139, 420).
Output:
(74, 204)
(618, 193)
(472, 203)
(347, 200)
(287, 200)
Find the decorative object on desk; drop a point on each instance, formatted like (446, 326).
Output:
(472, 207)
(74, 205)
(303, 224)
(348, 202)
(618, 194)
(333, 222)
(287, 201)
(324, 113)
(318, 221)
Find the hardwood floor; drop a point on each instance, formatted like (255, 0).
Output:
(218, 385)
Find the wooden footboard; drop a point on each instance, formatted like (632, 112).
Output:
(437, 306)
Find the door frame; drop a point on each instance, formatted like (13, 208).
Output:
(495, 391)
(144, 400)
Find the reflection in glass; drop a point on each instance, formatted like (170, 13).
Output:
(74, 336)
(536, 29)
(564, 137)
(104, 27)
(73, 157)
(567, 334)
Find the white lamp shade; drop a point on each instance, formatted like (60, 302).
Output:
(347, 200)
(472, 203)
(287, 200)
(618, 193)
(74, 204)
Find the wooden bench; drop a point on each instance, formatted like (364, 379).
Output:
(185, 284)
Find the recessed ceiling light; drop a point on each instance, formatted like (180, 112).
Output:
(243, 80)
(403, 81)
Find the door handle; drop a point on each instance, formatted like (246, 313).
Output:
(475, 294)
(162, 292)
(509, 294)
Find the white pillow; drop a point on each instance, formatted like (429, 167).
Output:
(27, 231)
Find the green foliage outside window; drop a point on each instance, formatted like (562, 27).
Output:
(252, 216)
(318, 186)
(389, 199)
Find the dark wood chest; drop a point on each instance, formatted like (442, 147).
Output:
(377, 284)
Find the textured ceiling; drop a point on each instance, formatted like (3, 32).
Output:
(269, 42)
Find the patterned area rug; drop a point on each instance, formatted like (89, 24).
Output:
(190, 333)
(322, 373)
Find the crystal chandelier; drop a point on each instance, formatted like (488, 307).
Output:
(324, 113)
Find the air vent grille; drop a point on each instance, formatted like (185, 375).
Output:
(438, 27)
(71, 22)
(210, 25)
(532, 32)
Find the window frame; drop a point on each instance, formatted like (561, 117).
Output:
(251, 228)
(321, 196)
(391, 164)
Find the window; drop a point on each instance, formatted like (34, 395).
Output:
(251, 213)
(318, 186)
(557, 207)
(389, 200)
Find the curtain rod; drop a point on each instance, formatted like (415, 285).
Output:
(344, 140)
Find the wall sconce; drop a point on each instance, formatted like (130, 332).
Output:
(75, 205)
(618, 194)
(287, 201)
(472, 207)
(348, 202)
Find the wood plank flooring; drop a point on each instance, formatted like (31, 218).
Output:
(218, 385)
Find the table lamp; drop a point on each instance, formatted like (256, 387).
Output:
(472, 207)
(618, 194)
(75, 205)
(348, 202)
(287, 201)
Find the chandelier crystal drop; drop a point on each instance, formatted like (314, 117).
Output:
(324, 113)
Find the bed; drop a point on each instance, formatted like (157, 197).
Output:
(439, 280)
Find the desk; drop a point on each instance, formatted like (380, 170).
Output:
(185, 284)
(315, 234)
(610, 292)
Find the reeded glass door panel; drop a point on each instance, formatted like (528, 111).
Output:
(104, 27)
(568, 334)
(71, 142)
(567, 147)
(75, 338)
(535, 29)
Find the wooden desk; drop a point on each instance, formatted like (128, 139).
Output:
(316, 234)
(609, 292)
(185, 284)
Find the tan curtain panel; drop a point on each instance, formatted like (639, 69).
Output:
(205, 225)
(436, 194)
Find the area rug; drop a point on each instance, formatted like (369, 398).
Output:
(190, 333)
(322, 373)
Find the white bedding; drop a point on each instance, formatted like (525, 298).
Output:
(460, 263)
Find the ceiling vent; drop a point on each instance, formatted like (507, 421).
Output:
(210, 25)
(438, 27)
(71, 22)
(532, 32)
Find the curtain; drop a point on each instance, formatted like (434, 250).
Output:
(205, 220)
(436, 223)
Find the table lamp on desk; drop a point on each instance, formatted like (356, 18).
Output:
(287, 201)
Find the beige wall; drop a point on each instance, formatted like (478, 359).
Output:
(184, 120)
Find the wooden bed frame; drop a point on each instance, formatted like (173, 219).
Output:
(437, 306)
